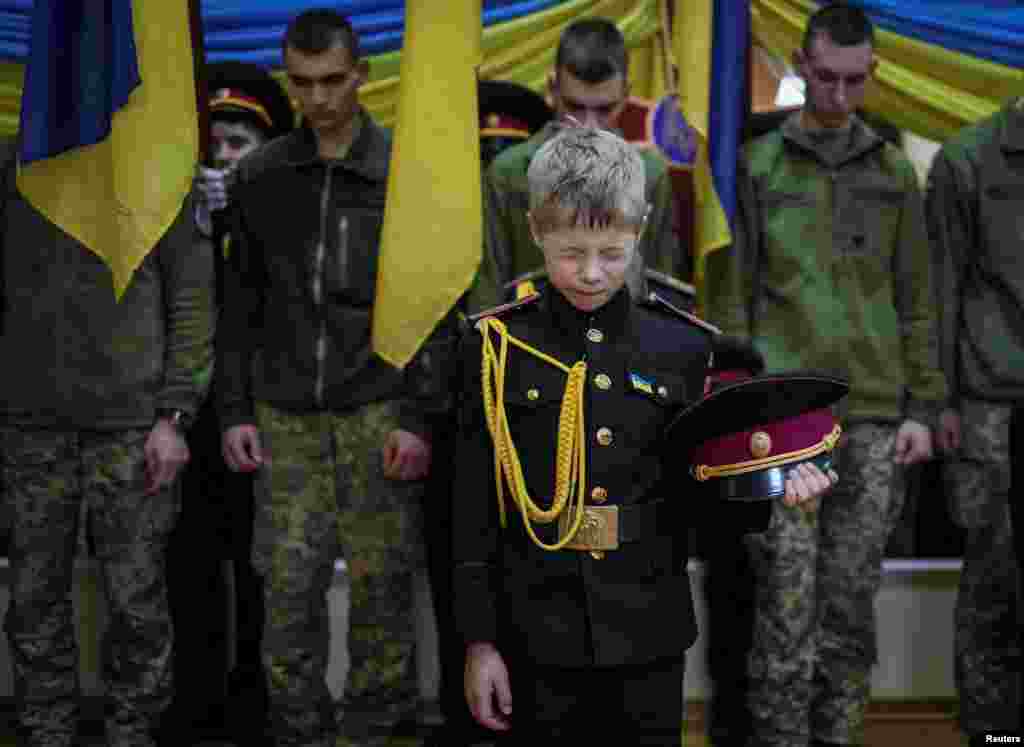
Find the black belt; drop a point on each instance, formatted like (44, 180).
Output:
(764, 484)
(642, 521)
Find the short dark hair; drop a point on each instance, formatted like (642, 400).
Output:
(593, 50)
(846, 25)
(315, 31)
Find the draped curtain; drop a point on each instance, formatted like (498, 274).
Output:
(944, 63)
(519, 41)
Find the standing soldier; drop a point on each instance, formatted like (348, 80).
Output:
(974, 204)
(95, 398)
(831, 270)
(338, 438)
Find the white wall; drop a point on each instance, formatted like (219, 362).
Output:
(915, 613)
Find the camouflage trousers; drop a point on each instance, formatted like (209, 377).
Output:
(322, 495)
(52, 479)
(818, 573)
(985, 639)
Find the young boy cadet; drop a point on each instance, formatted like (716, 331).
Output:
(578, 606)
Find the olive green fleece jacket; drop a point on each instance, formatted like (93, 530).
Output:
(975, 208)
(834, 240)
(77, 357)
(509, 249)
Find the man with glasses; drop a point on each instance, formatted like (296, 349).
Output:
(339, 440)
(831, 270)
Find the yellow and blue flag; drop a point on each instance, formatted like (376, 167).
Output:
(711, 41)
(433, 222)
(109, 125)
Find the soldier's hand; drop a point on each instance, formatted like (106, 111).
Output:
(805, 483)
(947, 436)
(212, 186)
(913, 443)
(406, 456)
(486, 683)
(166, 453)
(241, 448)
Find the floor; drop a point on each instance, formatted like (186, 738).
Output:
(903, 725)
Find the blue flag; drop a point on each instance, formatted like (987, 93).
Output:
(82, 67)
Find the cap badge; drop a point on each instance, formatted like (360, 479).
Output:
(760, 444)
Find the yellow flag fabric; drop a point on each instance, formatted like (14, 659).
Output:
(433, 221)
(118, 197)
(523, 51)
(692, 33)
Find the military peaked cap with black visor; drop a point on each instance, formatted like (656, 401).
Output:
(742, 438)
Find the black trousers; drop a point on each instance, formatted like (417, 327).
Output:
(459, 728)
(215, 525)
(636, 705)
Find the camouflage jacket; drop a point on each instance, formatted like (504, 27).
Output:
(76, 357)
(509, 248)
(300, 283)
(830, 269)
(975, 209)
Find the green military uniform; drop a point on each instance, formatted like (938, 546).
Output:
(830, 270)
(85, 375)
(593, 638)
(975, 204)
(509, 248)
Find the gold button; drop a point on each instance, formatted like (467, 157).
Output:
(604, 436)
(597, 554)
(760, 445)
(595, 335)
(532, 394)
(662, 391)
(599, 495)
(603, 381)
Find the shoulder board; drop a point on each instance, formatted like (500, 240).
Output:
(671, 282)
(504, 308)
(653, 299)
(527, 277)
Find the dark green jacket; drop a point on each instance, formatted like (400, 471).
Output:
(300, 286)
(975, 207)
(509, 249)
(838, 253)
(74, 356)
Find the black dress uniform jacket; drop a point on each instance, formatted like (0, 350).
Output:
(567, 608)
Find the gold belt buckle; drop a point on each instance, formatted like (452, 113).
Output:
(599, 529)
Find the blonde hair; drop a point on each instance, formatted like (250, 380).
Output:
(586, 177)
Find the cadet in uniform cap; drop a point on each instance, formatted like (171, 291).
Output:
(573, 599)
(220, 686)
(248, 108)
